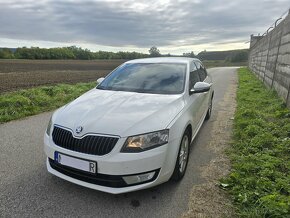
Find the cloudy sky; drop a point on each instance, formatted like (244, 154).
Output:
(174, 26)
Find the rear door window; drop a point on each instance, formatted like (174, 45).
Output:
(201, 71)
(193, 75)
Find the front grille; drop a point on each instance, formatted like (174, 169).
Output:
(90, 144)
(114, 181)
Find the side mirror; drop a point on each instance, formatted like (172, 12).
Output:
(200, 87)
(100, 80)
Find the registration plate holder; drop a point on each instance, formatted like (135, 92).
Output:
(76, 163)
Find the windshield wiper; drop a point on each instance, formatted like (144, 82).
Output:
(101, 87)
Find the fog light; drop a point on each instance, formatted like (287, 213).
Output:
(139, 178)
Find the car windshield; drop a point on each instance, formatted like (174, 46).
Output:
(155, 78)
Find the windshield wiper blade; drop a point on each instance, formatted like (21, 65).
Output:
(101, 87)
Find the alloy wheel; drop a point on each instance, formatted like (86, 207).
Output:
(183, 153)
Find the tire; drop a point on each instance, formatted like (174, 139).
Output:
(209, 110)
(183, 152)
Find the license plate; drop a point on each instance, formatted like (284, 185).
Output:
(80, 164)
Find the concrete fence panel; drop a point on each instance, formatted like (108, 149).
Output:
(269, 58)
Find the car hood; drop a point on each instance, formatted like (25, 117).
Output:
(119, 113)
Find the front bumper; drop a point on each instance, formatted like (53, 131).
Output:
(113, 181)
(113, 166)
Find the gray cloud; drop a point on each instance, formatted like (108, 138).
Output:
(140, 24)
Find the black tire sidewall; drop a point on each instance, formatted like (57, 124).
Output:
(177, 175)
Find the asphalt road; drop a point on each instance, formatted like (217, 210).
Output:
(27, 190)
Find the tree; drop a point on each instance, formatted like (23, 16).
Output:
(189, 54)
(154, 52)
(6, 53)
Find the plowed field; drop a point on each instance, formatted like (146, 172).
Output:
(19, 74)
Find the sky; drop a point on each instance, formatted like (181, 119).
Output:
(174, 26)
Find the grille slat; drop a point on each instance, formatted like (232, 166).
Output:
(86, 142)
(58, 133)
(79, 144)
(69, 142)
(91, 148)
(65, 139)
(101, 145)
(107, 145)
(90, 144)
(96, 147)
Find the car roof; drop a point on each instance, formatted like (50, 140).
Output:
(164, 60)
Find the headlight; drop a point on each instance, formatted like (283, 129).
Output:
(49, 127)
(145, 142)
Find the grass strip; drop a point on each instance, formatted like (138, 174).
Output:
(22, 103)
(260, 178)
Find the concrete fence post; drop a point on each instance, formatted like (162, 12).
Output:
(276, 59)
(267, 56)
(261, 64)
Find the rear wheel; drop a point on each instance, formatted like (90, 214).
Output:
(208, 114)
(182, 157)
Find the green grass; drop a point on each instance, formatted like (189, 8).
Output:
(260, 178)
(22, 103)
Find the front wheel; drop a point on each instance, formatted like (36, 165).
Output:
(182, 158)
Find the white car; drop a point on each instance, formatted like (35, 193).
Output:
(133, 131)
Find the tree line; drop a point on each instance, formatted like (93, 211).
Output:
(72, 52)
(78, 53)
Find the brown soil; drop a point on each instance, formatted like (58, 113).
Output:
(18, 74)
